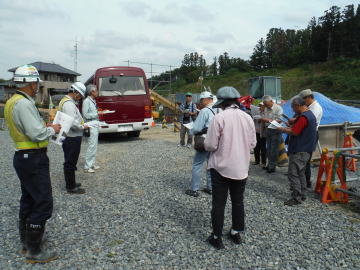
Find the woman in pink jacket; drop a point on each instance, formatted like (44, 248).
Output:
(230, 138)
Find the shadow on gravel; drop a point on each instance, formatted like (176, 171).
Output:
(114, 138)
(268, 187)
(191, 218)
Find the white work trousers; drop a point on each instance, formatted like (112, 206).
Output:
(90, 155)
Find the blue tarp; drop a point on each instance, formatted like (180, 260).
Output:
(334, 113)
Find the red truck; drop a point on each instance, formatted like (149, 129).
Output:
(125, 92)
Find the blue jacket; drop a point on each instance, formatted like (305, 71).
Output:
(204, 119)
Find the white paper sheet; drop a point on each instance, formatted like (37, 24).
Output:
(189, 125)
(274, 125)
(106, 112)
(66, 122)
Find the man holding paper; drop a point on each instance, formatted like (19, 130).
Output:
(272, 113)
(302, 142)
(31, 163)
(91, 115)
(72, 144)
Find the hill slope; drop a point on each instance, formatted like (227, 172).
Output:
(337, 79)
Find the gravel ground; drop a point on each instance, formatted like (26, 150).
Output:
(135, 215)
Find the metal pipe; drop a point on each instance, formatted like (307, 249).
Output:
(348, 192)
(351, 155)
(344, 149)
(350, 125)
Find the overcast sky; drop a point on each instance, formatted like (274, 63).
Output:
(109, 32)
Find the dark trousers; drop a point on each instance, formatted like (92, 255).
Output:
(71, 147)
(220, 188)
(36, 203)
(260, 149)
(183, 132)
(273, 141)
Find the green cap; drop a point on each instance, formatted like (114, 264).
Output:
(188, 94)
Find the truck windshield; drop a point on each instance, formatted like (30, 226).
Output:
(121, 86)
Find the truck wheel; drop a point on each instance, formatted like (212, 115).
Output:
(134, 134)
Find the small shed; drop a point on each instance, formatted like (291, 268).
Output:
(265, 85)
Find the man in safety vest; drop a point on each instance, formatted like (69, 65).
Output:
(31, 163)
(72, 144)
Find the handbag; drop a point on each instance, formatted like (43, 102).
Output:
(199, 143)
(199, 139)
(87, 132)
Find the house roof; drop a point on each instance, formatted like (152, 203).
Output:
(49, 67)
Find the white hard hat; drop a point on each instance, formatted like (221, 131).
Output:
(206, 94)
(79, 87)
(26, 73)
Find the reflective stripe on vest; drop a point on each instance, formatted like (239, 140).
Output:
(62, 101)
(21, 141)
(61, 105)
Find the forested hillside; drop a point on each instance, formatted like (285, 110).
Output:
(324, 56)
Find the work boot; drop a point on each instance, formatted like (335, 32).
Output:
(22, 232)
(76, 190)
(34, 254)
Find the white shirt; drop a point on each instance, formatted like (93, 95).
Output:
(317, 110)
(70, 108)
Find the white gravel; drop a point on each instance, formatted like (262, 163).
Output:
(135, 215)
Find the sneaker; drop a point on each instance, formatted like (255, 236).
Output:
(181, 145)
(292, 202)
(207, 190)
(193, 193)
(216, 243)
(188, 145)
(76, 191)
(236, 238)
(95, 167)
(89, 170)
(256, 163)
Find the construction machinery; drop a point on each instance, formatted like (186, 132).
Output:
(157, 98)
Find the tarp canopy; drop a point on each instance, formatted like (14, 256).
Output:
(334, 113)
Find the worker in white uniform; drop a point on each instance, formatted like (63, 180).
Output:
(31, 163)
(317, 110)
(91, 114)
(72, 144)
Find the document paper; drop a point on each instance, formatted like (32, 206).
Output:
(66, 122)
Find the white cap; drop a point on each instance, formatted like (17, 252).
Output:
(79, 87)
(206, 94)
(26, 73)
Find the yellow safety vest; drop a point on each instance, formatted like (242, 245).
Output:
(62, 101)
(61, 104)
(22, 141)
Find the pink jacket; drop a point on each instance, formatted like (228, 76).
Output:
(230, 138)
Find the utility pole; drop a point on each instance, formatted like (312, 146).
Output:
(170, 80)
(75, 55)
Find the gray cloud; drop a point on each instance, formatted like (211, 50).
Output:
(215, 37)
(198, 12)
(135, 8)
(18, 11)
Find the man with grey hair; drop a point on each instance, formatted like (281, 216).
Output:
(302, 143)
(317, 110)
(273, 137)
(90, 113)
